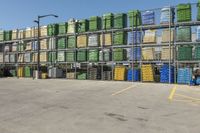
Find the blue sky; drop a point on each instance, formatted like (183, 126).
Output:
(21, 13)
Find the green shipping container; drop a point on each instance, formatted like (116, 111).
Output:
(119, 54)
(2, 35)
(52, 57)
(184, 13)
(197, 53)
(61, 43)
(83, 25)
(52, 29)
(8, 35)
(184, 34)
(93, 55)
(108, 20)
(94, 23)
(27, 71)
(71, 42)
(120, 21)
(62, 28)
(185, 53)
(82, 76)
(82, 55)
(135, 18)
(70, 56)
(120, 38)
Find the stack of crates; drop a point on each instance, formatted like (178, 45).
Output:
(107, 21)
(81, 41)
(43, 44)
(71, 42)
(43, 31)
(14, 34)
(83, 25)
(166, 15)
(184, 13)
(120, 38)
(72, 26)
(12, 58)
(27, 71)
(82, 76)
(166, 35)
(135, 37)
(148, 53)
(94, 73)
(106, 39)
(61, 56)
(8, 35)
(107, 75)
(43, 56)
(61, 43)
(71, 75)
(120, 21)
(184, 34)
(70, 56)
(120, 73)
(185, 53)
(135, 18)
(197, 53)
(148, 74)
(135, 54)
(93, 40)
(52, 29)
(94, 23)
(2, 35)
(149, 36)
(52, 56)
(119, 54)
(93, 55)
(133, 74)
(20, 72)
(82, 55)
(165, 53)
(107, 56)
(27, 57)
(148, 18)
(165, 74)
(62, 28)
(184, 75)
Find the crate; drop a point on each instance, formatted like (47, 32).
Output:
(34, 57)
(93, 55)
(28, 33)
(44, 44)
(2, 35)
(135, 53)
(20, 58)
(52, 56)
(20, 72)
(94, 73)
(135, 18)
(44, 75)
(167, 74)
(185, 53)
(108, 21)
(149, 36)
(1, 57)
(107, 75)
(135, 38)
(83, 26)
(71, 42)
(197, 53)
(120, 73)
(184, 75)
(71, 75)
(198, 11)
(120, 21)
(27, 71)
(166, 36)
(27, 57)
(14, 34)
(43, 57)
(106, 39)
(165, 53)
(120, 38)
(61, 43)
(184, 34)
(52, 29)
(148, 18)
(72, 26)
(184, 13)
(107, 56)
(148, 74)
(61, 56)
(34, 32)
(20, 47)
(8, 35)
(81, 55)
(148, 53)
(133, 75)
(94, 23)
(7, 58)
(52, 43)
(93, 40)
(82, 41)
(119, 54)
(70, 56)
(62, 28)
(82, 76)
(21, 34)
(166, 15)
(12, 58)
(43, 31)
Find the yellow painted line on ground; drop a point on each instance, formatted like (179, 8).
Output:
(121, 91)
(172, 93)
(188, 97)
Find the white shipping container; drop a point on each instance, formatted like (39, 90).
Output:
(93, 40)
(61, 56)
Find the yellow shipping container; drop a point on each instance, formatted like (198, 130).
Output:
(149, 36)
(14, 34)
(20, 72)
(43, 44)
(43, 56)
(166, 35)
(148, 53)
(120, 73)
(165, 53)
(43, 31)
(82, 41)
(148, 73)
(107, 39)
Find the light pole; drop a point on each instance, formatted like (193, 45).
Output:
(38, 40)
